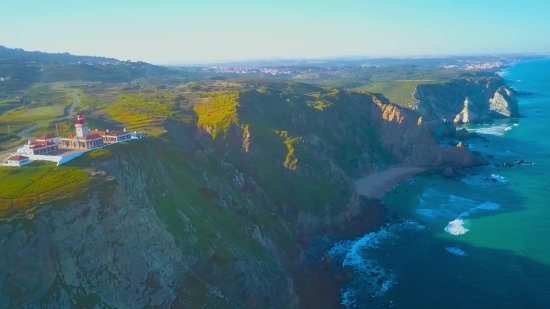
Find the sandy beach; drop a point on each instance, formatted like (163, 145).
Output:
(377, 185)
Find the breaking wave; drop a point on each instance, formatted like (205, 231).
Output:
(456, 227)
(498, 129)
(436, 206)
(369, 277)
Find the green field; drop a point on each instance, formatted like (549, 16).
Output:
(8, 141)
(24, 188)
(45, 111)
(398, 92)
(38, 103)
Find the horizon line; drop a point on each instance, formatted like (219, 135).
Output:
(358, 57)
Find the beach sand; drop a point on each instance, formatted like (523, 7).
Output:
(376, 185)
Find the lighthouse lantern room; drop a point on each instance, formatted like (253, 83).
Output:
(82, 129)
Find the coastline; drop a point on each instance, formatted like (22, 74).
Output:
(376, 185)
(325, 279)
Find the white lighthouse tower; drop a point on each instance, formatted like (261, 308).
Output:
(82, 129)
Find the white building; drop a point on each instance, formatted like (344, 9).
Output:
(17, 160)
(41, 146)
(90, 139)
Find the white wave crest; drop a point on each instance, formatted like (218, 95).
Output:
(493, 129)
(456, 227)
(370, 279)
(498, 178)
(435, 205)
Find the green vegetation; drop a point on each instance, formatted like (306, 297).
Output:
(24, 188)
(398, 92)
(219, 113)
(8, 141)
(319, 104)
(141, 113)
(40, 102)
(290, 160)
(8, 104)
(101, 154)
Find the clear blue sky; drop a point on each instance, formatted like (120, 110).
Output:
(160, 31)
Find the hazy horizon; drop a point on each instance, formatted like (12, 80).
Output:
(171, 32)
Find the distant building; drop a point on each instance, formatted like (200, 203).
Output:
(17, 160)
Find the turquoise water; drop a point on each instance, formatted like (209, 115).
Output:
(479, 242)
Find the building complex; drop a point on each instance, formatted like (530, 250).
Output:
(50, 147)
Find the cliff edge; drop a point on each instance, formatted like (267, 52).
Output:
(470, 100)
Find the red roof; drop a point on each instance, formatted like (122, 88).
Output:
(105, 133)
(17, 158)
(91, 136)
(40, 144)
(45, 137)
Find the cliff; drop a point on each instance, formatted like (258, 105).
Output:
(217, 212)
(467, 100)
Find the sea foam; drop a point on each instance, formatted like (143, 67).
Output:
(494, 129)
(498, 178)
(456, 251)
(370, 279)
(456, 227)
(436, 206)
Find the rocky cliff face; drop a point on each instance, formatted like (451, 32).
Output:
(217, 219)
(117, 246)
(467, 100)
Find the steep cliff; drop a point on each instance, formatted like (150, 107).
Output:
(467, 100)
(216, 212)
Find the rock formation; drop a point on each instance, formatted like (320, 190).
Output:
(471, 100)
(448, 172)
(462, 133)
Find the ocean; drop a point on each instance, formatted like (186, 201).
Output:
(479, 242)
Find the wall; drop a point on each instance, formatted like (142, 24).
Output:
(54, 159)
(68, 158)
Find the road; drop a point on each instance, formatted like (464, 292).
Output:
(26, 133)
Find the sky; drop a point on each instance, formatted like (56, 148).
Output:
(192, 31)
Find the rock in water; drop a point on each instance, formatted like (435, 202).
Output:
(327, 258)
(482, 161)
(449, 131)
(448, 172)
(462, 133)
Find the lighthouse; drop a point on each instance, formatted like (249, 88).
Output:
(82, 129)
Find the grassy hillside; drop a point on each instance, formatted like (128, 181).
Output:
(285, 130)
(38, 183)
(399, 92)
(38, 103)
